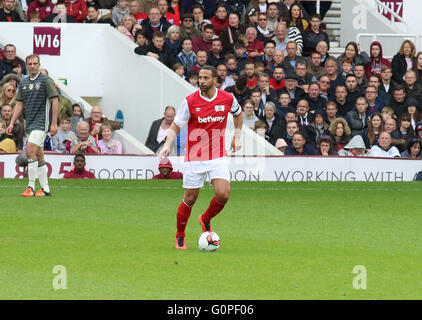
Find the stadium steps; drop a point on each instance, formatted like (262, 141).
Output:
(332, 21)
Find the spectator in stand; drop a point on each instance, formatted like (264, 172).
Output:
(359, 72)
(252, 18)
(340, 133)
(387, 83)
(96, 120)
(387, 113)
(95, 15)
(267, 93)
(258, 105)
(315, 68)
(78, 10)
(128, 27)
(413, 89)
(204, 42)
(418, 67)
(293, 33)
(346, 67)
(198, 15)
(254, 48)
(107, 145)
(231, 64)
(34, 17)
(281, 37)
(43, 7)
(8, 13)
(331, 72)
(296, 93)
(404, 60)
(322, 48)
(7, 144)
(135, 11)
(61, 15)
(331, 111)
(201, 61)
(215, 56)
(82, 141)
(355, 148)
(170, 17)
(79, 171)
(273, 122)
(9, 59)
(310, 7)
(343, 106)
(382, 98)
(120, 10)
(304, 77)
(173, 41)
(390, 126)
(317, 128)
(413, 108)
(405, 127)
(155, 22)
(159, 129)
(77, 115)
(179, 69)
(314, 98)
(264, 33)
(187, 29)
(302, 110)
(272, 15)
(250, 73)
(186, 56)
(418, 130)
(259, 5)
(314, 34)
(166, 171)
(326, 147)
(375, 127)
(58, 142)
(277, 82)
(354, 51)
(17, 132)
(398, 100)
(209, 7)
(359, 117)
(285, 6)
(284, 104)
(260, 129)
(299, 146)
(267, 57)
(222, 73)
(193, 78)
(220, 20)
(8, 94)
(291, 58)
(249, 117)
(324, 84)
(296, 18)
(377, 60)
(157, 49)
(240, 54)
(413, 149)
(371, 96)
(175, 9)
(384, 147)
(353, 91)
(291, 126)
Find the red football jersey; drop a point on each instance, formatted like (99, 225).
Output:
(206, 120)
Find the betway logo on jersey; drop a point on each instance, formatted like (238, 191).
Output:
(211, 119)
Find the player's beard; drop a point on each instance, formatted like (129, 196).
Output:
(204, 88)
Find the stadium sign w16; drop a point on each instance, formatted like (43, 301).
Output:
(47, 41)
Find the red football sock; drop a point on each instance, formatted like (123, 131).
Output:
(214, 208)
(183, 214)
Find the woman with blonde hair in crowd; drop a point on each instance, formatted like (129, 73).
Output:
(7, 94)
(340, 133)
(107, 145)
(404, 60)
(173, 40)
(128, 26)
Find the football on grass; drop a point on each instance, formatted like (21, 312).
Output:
(209, 241)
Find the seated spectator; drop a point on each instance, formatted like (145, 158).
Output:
(58, 142)
(336, 80)
(340, 133)
(412, 107)
(179, 69)
(222, 73)
(273, 122)
(128, 26)
(375, 127)
(305, 117)
(82, 141)
(220, 20)
(231, 64)
(277, 82)
(97, 15)
(79, 171)
(197, 11)
(187, 28)
(313, 34)
(157, 49)
(77, 115)
(296, 17)
(7, 145)
(374, 67)
(284, 104)
(240, 54)
(413, 88)
(413, 149)
(141, 38)
(384, 147)
(326, 147)
(201, 61)
(159, 129)
(8, 12)
(229, 35)
(107, 145)
(314, 98)
(61, 14)
(358, 117)
(260, 129)
(17, 132)
(9, 58)
(322, 48)
(264, 33)
(291, 126)
(43, 7)
(254, 48)
(204, 42)
(317, 128)
(96, 120)
(359, 72)
(291, 57)
(7, 94)
(267, 57)
(404, 60)
(354, 51)
(166, 171)
(296, 93)
(171, 18)
(215, 56)
(418, 130)
(405, 127)
(390, 126)
(249, 117)
(193, 78)
(374, 104)
(299, 146)
(315, 69)
(120, 10)
(346, 67)
(331, 112)
(173, 39)
(251, 19)
(155, 22)
(387, 113)
(355, 148)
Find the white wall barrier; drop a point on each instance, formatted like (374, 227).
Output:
(273, 168)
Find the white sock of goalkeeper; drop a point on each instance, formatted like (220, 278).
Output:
(32, 172)
(43, 176)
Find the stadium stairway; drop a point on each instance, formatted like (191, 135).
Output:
(332, 22)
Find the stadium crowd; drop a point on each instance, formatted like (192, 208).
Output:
(273, 56)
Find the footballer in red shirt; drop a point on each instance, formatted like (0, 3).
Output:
(205, 113)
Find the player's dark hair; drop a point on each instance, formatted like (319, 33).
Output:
(212, 69)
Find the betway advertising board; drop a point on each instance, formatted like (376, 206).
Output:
(273, 168)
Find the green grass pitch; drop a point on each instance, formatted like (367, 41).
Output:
(279, 241)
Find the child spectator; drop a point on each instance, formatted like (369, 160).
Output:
(119, 11)
(261, 128)
(59, 140)
(281, 145)
(355, 148)
(347, 67)
(107, 145)
(193, 78)
(141, 38)
(179, 68)
(34, 16)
